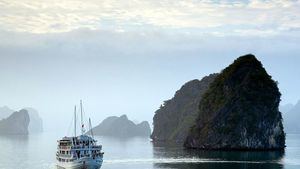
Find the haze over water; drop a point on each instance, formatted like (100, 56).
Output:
(38, 152)
(127, 57)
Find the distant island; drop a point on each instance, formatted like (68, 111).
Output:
(237, 109)
(291, 116)
(35, 124)
(122, 127)
(17, 123)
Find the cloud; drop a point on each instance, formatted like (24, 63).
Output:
(206, 16)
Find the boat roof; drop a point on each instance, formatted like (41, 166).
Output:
(81, 137)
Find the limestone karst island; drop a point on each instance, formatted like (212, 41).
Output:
(236, 109)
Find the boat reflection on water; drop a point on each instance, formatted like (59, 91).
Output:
(195, 159)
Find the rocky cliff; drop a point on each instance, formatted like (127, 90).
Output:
(174, 118)
(122, 127)
(17, 123)
(36, 122)
(239, 110)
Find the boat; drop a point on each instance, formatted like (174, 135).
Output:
(79, 152)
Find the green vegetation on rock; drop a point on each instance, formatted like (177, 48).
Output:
(174, 118)
(239, 110)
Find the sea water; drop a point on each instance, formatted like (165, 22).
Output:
(37, 151)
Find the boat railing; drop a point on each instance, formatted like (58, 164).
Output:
(65, 155)
(85, 147)
(64, 147)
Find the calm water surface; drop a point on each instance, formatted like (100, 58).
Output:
(38, 152)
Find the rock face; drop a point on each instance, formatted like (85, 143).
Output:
(36, 122)
(291, 119)
(17, 123)
(239, 110)
(122, 127)
(174, 118)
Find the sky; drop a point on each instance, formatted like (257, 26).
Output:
(127, 57)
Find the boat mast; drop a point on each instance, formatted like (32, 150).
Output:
(91, 129)
(82, 125)
(89, 137)
(75, 121)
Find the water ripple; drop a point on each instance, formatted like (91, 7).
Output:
(183, 160)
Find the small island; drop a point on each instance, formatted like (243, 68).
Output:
(16, 124)
(291, 116)
(35, 124)
(122, 127)
(238, 110)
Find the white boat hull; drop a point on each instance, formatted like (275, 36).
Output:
(83, 163)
